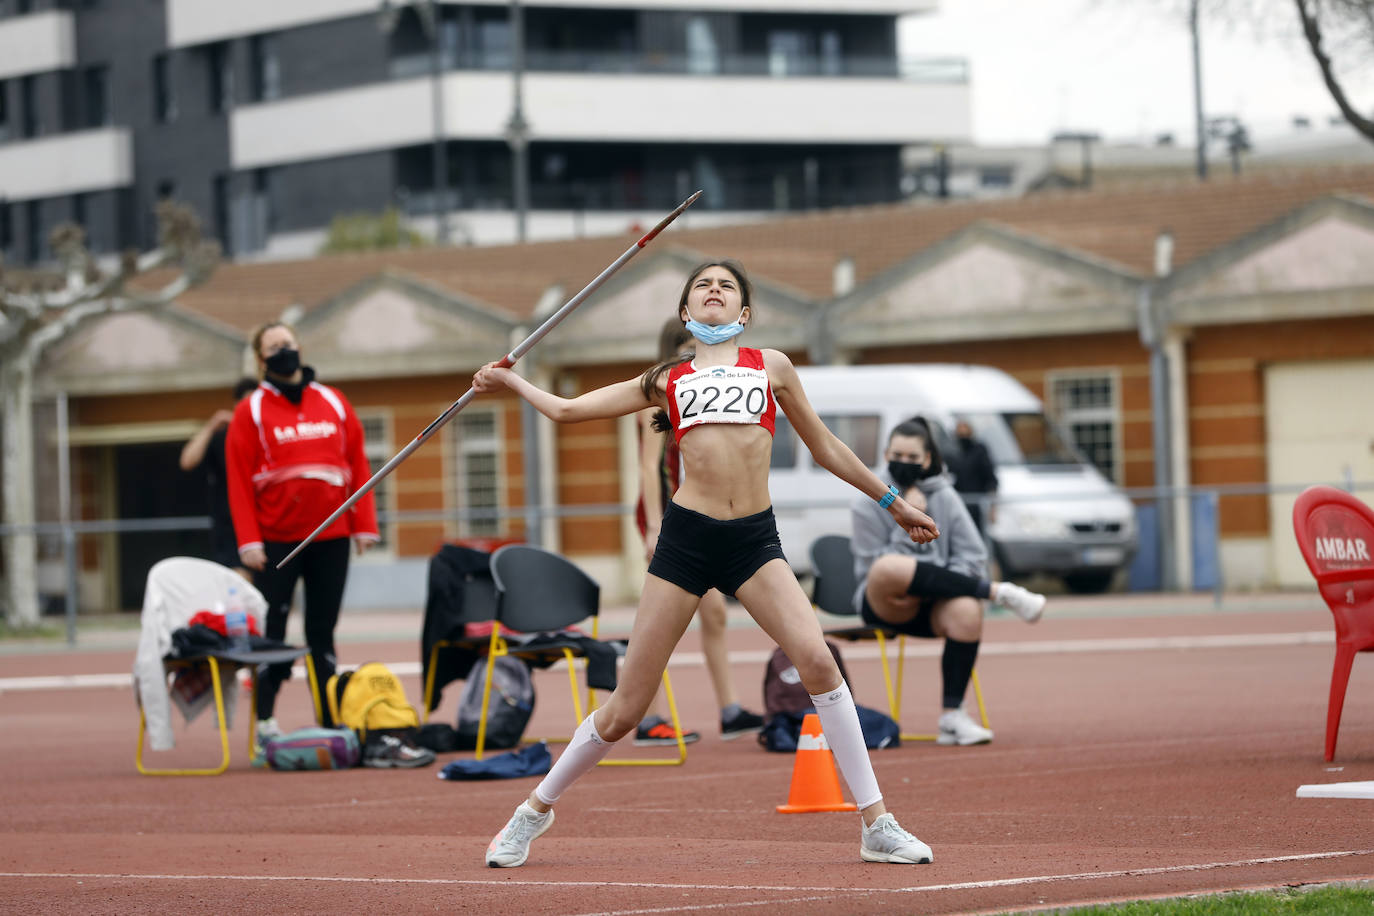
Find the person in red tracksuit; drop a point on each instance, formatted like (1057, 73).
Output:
(294, 453)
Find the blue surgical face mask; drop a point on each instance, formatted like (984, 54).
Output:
(713, 334)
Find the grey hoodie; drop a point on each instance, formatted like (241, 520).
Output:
(959, 546)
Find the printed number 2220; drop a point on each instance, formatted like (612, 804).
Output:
(711, 394)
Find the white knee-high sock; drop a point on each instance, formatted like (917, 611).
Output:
(584, 751)
(840, 722)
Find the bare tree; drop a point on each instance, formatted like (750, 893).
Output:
(38, 308)
(1353, 22)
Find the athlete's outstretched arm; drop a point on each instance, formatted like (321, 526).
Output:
(832, 454)
(615, 400)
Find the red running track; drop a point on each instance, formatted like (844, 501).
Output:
(1136, 756)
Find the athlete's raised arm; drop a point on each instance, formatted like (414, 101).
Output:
(614, 400)
(832, 454)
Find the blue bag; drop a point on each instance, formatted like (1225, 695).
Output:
(533, 760)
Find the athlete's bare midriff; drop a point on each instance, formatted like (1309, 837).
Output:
(725, 470)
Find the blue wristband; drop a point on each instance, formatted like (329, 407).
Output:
(888, 497)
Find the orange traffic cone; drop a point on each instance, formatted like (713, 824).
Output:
(815, 784)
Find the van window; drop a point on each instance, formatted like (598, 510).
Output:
(1022, 438)
(784, 445)
(861, 432)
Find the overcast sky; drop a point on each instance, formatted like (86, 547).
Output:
(1122, 68)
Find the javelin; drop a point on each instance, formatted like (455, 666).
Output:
(549, 324)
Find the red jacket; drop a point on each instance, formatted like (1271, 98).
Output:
(289, 466)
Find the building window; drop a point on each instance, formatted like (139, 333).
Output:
(1086, 405)
(219, 197)
(33, 219)
(266, 68)
(164, 95)
(703, 53)
(476, 448)
(377, 447)
(96, 91)
(265, 184)
(6, 229)
(787, 53)
(220, 78)
(30, 125)
(4, 111)
(832, 54)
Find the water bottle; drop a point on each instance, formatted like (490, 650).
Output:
(236, 622)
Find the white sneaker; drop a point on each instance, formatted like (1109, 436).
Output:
(265, 730)
(1025, 604)
(511, 847)
(886, 841)
(957, 728)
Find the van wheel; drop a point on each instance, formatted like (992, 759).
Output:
(1089, 583)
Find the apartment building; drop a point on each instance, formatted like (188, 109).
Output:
(270, 117)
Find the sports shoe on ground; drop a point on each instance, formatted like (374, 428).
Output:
(655, 732)
(263, 731)
(743, 722)
(384, 751)
(957, 728)
(511, 847)
(886, 841)
(1024, 603)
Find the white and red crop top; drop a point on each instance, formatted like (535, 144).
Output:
(721, 394)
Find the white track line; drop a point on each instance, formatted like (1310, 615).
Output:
(919, 649)
(648, 885)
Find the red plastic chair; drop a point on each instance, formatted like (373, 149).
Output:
(1335, 533)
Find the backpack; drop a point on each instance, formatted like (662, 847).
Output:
(512, 702)
(786, 703)
(313, 749)
(782, 686)
(370, 698)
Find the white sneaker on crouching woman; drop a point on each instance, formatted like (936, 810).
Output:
(1026, 604)
(886, 841)
(956, 727)
(511, 847)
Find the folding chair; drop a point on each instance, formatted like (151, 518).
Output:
(539, 592)
(1335, 533)
(460, 591)
(832, 564)
(176, 589)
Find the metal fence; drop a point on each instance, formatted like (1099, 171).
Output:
(63, 545)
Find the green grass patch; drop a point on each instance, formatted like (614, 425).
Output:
(1325, 900)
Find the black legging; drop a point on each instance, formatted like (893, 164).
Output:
(323, 565)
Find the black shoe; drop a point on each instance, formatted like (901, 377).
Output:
(386, 751)
(743, 722)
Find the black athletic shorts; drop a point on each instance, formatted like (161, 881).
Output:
(916, 626)
(699, 553)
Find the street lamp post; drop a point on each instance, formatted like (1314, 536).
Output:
(428, 11)
(1197, 91)
(517, 128)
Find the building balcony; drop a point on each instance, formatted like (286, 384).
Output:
(72, 163)
(193, 22)
(603, 107)
(916, 69)
(37, 43)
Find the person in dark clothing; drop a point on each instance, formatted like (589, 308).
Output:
(206, 448)
(974, 475)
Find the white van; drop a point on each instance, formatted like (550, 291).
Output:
(1055, 512)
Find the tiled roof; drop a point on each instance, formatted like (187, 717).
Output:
(1118, 225)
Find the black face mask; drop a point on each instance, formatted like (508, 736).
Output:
(284, 362)
(904, 473)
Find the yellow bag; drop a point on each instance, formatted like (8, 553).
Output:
(369, 698)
